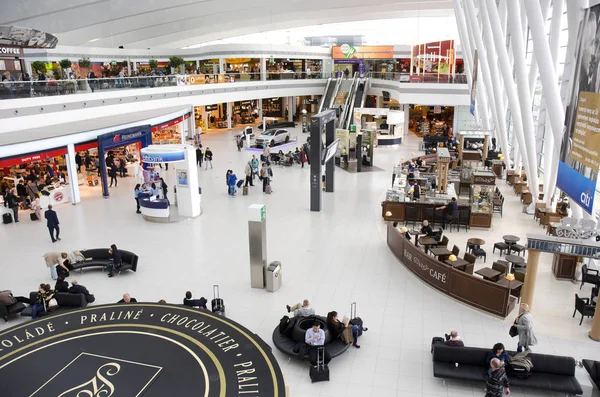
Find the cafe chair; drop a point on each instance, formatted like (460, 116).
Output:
(500, 268)
(429, 214)
(502, 246)
(516, 248)
(498, 204)
(455, 251)
(594, 295)
(453, 220)
(588, 275)
(463, 219)
(582, 305)
(469, 268)
(480, 253)
(469, 258)
(516, 292)
(537, 214)
(411, 216)
(443, 243)
(437, 236)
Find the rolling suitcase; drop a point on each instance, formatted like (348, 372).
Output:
(6, 218)
(268, 189)
(217, 304)
(319, 373)
(240, 183)
(355, 320)
(245, 191)
(33, 216)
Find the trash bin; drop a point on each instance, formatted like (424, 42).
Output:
(273, 276)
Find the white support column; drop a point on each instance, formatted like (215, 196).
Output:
(511, 91)
(222, 66)
(197, 65)
(291, 107)
(524, 99)
(483, 93)
(263, 69)
(533, 69)
(556, 112)
(72, 174)
(229, 111)
(501, 127)
(464, 42)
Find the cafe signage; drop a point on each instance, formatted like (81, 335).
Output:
(137, 349)
(425, 267)
(11, 51)
(484, 180)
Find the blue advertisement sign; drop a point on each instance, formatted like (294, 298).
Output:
(165, 157)
(579, 188)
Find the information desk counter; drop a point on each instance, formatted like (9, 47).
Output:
(472, 290)
(156, 210)
(397, 210)
(55, 196)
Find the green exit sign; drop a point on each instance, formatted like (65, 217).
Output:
(263, 213)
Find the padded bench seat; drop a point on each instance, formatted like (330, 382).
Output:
(66, 301)
(556, 373)
(100, 257)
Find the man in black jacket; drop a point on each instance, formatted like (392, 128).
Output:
(11, 201)
(80, 289)
(199, 303)
(61, 284)
(52, 223)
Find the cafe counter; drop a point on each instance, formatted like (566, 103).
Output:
(467, 288)
(396, 211)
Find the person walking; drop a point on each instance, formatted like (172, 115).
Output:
(112, 172)
(496, 384)
(136, 194)
(302, 157)
(11, 201)
(254, 163)
(248, 172)
(266, 153)
(264, 174)
(208, 156)
(52, 223)
(164, 188)
(199, 156)
(524, 324)
(231, 181)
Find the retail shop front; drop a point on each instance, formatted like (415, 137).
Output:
(357, 59)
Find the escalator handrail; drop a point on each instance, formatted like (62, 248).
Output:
(347, 103)
(322, 102)
(350, 105)
(334, 93)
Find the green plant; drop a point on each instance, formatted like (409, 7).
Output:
(38, 66)
(153, 63)
(65, 63)
(84, 63)
(175, 62)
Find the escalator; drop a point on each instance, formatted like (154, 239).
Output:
(358, 101)
(330, 91)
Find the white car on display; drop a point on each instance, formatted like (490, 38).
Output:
(273, 137)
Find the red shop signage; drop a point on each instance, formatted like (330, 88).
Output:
(39, 156)
(170, 123)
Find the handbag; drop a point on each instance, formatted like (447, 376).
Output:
(347, 336)
(513, 331)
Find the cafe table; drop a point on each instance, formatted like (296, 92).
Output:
(427, 241)
(440, 252)
(475, 243)
(510, 239)
(488, 273)
(459, 263)
(515, 261)
(512, 284)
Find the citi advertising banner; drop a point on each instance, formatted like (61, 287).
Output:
(580, 148)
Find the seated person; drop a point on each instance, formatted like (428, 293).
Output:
(407, 235)
(115, 259)
(454, 340)
(301, 309)
(496, 352)
(314, 338)
(61, 285)
(336, 327)
(80, 289)
(42, 303)
(127, 299)
(426, 229)
(199, 303)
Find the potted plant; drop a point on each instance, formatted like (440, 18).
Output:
(38, 66)
(153, 63)
(175, 62)
(65, 64)
(84, 63)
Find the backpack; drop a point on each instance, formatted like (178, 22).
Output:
(518, 371)
(284, 323)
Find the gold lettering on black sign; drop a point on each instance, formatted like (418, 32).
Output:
(98, 386)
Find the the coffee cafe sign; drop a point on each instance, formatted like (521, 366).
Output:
(11, 51)
(425, 267)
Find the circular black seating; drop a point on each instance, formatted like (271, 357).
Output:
(289, 344)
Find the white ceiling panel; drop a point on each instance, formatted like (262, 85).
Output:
(180, 23)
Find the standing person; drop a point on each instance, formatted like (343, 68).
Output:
(139, 172)
(497, 381)
(52, 223)
(266, 153)
(248, 172)
(112, 172)
(450, 208)
(21, 191)
(164, 187)
(91, 76)
(199, 156)
(153, 190)
(136, 194)
(302, 156)
(524, 324)
(254, 163)
(32, 189)
(11, 201)
(231, 181)
(346, 73)
(208, 156)
(37, 208)
(78, 161)
(264, 174)
(238, 143)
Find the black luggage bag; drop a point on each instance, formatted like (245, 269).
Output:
(436, 340)
(319, 373)
(33, 216)
(217, 304)
(240, 183)
(6, 218)
(354, 320)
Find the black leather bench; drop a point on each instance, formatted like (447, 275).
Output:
(288, 344)
(100, 257)
(9, 310)
(65, 300)
(556, 373)
(593, 368)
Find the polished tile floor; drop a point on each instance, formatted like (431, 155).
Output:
(333, 258)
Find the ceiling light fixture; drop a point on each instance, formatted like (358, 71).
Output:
(92, 40)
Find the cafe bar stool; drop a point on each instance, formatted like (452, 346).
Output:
(518, 248)
(501, 246)
(411, 216)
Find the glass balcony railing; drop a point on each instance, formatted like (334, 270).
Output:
(34, 89)
(420, 78)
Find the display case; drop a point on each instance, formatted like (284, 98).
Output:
(483, 185)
